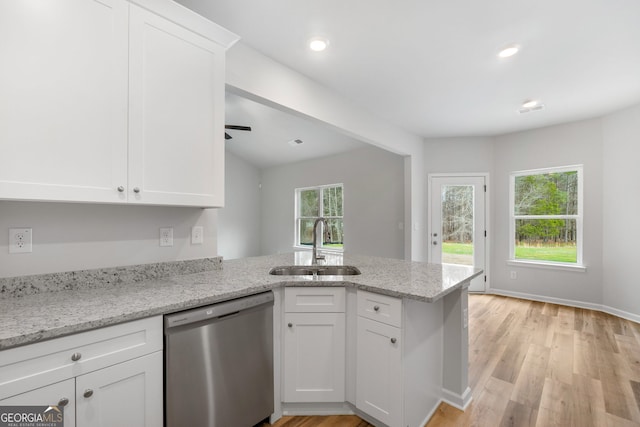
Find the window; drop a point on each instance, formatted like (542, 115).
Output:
(546, 216)
(314, 202)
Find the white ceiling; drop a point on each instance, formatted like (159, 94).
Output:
(430, 66)
(271, 130)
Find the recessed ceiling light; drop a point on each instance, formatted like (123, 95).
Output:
(530, 105)
(508, 51)
(318, 44)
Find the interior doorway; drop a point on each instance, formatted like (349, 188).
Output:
(457, 222)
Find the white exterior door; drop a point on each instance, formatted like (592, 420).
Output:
(457, 229)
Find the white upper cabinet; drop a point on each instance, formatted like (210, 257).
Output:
(108, 102)
(176, 127)
(63, 99)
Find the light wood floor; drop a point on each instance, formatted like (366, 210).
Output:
(538, 364)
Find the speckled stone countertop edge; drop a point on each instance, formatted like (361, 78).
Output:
(80, 310)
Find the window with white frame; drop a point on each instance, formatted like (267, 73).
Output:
(546, 216)
(312, 203)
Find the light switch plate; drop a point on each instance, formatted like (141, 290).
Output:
(20, 240)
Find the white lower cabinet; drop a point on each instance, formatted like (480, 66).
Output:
(126, 394)
(379, 371)
(107, 377)
(381, 354)
(61, 394)
(314, 345)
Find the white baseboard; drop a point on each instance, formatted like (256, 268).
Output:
(571, 303)
(460, 401)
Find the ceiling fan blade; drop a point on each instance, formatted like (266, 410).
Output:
(234, 127)
(227, 136)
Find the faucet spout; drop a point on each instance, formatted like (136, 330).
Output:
(314, 256)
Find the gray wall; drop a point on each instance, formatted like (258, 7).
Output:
(74, 236)
(239, 220)
(621, 204)
(606, 147)
(373, 200)
(567, 144)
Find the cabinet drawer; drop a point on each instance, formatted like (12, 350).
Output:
(30, 366)
(382, 308)
(314, 300)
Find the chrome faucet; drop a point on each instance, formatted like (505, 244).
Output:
(314, 256)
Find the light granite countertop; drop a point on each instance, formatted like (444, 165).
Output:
(44, 315)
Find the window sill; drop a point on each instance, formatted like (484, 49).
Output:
(548, 265)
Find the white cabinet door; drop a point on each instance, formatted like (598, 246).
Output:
(379, 371)
(314, 357)
(61, 394)
(127, 394)
(63, 100)
(176, 151)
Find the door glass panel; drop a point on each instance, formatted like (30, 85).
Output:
(457, 224)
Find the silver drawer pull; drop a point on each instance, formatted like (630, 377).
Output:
(63, 402)
(290, 325)
(121, 189)
(376, 307)
(393, 340)
(136, 190)
(88, 393)
(76, 356)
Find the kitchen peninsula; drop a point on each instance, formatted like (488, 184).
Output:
(427, 305)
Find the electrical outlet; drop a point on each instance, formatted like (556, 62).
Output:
(465, 318)
(513, 275)
(20, 240)
(166, 236)
(197, 235)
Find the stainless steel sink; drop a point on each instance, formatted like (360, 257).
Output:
(310, 270)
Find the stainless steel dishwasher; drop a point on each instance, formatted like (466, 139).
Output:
(219, 364)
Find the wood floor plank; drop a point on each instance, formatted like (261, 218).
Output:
(588, 402)
(560, 366)
(519, 415)
(585, 359)
(510, 363)
(489, 409)
(528, 386)
(555, 405)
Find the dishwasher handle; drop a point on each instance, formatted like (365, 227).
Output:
(218, 310)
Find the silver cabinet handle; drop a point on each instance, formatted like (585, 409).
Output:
(393, 340)
(136, 190)
(121, 189)
(434, 243)
(88, 393)
(63, 402)
(376, 307)
(76, 356)
(290, 325)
